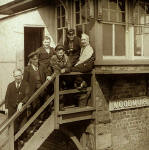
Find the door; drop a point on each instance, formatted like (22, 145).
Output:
(33, 37)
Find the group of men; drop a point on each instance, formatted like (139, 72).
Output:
(75, 55)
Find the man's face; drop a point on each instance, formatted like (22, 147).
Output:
(17, 76)
(70, 37)
(84, 42)
(34, 60)
(60, 53)
(46, 43)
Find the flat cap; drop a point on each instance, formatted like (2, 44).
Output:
(32, 54)
(59, 47)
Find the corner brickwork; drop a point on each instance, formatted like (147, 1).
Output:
(122, 129)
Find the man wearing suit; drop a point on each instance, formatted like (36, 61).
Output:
(17, 94)
(36, 74)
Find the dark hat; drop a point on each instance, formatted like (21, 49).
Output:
(71, 31)
(32, 54)
(59, 47)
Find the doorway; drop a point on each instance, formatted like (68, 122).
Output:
(33, 37)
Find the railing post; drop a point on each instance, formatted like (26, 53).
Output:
(93, 84)
(56, 101)
(93, 97)
(11, 136)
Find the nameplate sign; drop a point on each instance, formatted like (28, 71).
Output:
(128, 103)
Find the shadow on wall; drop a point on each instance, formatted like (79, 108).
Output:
(47, 14)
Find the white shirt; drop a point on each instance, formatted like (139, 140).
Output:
(34, 67)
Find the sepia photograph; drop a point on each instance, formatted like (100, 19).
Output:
(74, 75)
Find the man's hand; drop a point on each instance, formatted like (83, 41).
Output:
(20, 106)
(63, 70)
(49, 77)
(6, 111)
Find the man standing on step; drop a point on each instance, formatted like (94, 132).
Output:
(17, 94)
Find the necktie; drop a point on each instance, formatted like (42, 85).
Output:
(18, 85)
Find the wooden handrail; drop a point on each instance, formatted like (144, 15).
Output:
(31, 99)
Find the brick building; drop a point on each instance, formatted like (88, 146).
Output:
(119, 33)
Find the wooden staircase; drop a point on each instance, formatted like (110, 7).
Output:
(41, 135)
(53, 122)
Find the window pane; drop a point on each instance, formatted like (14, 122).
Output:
(63, 11)
(60, 36)
(58, 11)
(83, 11)
(121, 17)
(77, 6)
(105, 3)
(79, 30)
(107, 40)
(58, 23)
(113, 4)
(119, 40)
(63, 21)
(121, 4)
(105, 15)
(113, 16)
(78, 18)
(146, 42)
(137, 41)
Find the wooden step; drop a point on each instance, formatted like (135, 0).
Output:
(76, 114)
(76, 110)
(41, 135)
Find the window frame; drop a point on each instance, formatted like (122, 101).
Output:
(61, 26)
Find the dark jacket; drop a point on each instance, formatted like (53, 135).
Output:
(58, 64)
(14, 96)
(76, 46)
(29, 76)
(44, 57)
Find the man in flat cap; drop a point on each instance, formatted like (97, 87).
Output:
(72, 46)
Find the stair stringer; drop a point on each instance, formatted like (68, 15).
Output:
(41, 135)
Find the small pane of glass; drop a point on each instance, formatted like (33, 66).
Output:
(58, 11)
(63, 11)
(60, 36)
(107, 40)
(119, 40)
(63, 21)
(137, 41)
(105, 3)
(113, 16)
(121, 4)
(105, 15)
(146, 44)
(113, 4)
(121, 17)
(83, 12)
(58, 23)
(77, 18)
(77, 6)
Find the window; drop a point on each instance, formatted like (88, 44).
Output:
(61, 24)
(141, 29)
(113, 27)
(80, 16)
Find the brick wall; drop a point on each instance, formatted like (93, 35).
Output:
(125, 129)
